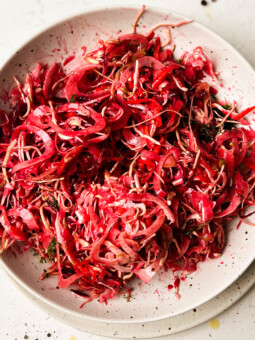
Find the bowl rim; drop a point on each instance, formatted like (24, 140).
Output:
(94, 9)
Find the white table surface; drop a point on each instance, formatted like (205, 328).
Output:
(21, 19)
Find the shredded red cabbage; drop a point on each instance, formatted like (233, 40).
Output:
(123, 166)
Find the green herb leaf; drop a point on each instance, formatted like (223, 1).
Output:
(207, 132)
(128, 296)
(194, 229)
(227, 107)
(72, 98)
(42, 260)
(51, 251)
(45, 274)
(54, 203)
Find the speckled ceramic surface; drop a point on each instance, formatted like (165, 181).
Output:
(153, 301)
(159, 328)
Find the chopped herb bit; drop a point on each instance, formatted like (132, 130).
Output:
(227, 107)
(54, 203)
(51, 251)
(128, 296)
(72, 98)
(45, 274)
(206, 132)
(194, 229)
(43, 260)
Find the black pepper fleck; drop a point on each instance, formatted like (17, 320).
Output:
(203, 2)
(48, 335)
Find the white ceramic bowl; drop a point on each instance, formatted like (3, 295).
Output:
(153, 301)
(159, 328)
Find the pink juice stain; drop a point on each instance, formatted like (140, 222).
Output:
(5, 96)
